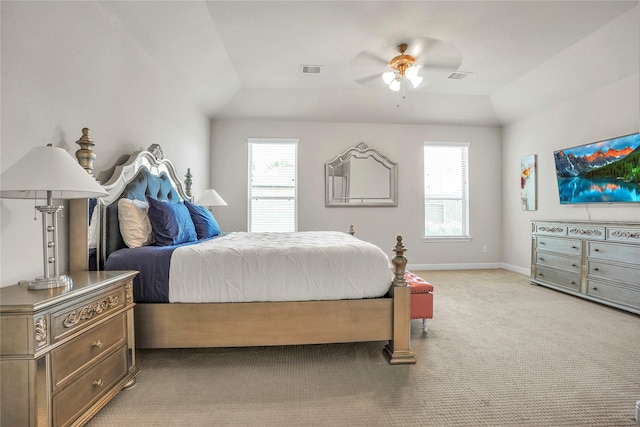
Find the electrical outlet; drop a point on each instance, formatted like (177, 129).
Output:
(485, 249)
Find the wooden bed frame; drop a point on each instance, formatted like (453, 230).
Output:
(255, 323)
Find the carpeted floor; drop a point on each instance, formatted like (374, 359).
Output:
(499, 352)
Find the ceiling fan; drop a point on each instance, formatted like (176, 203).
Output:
(419, 58)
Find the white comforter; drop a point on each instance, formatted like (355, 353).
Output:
(302, 266)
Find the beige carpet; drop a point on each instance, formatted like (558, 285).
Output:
(499, 352)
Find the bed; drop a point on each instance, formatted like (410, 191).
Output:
(209, 321)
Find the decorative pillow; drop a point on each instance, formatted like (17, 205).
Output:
(93, 229)
(171, 223)
(204, 221)
(135, 226)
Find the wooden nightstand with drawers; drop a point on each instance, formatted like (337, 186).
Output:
(64, 353)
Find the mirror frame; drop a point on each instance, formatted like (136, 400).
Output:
(361, 151)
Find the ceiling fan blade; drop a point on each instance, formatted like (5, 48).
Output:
(367, 80)
(367, 57)
(435, 55)
(366, 68)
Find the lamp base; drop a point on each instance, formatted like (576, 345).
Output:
(50, 282)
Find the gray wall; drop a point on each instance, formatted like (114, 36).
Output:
(403, 144)
(612, 111)
(80, 70)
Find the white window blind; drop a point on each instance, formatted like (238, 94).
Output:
(272, 184)
(446, 190)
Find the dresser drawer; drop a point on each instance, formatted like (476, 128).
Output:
(565, 246)
(76, 354)
(622, 273)
(71, 319)
(551, 229)
(611, 292)
(546, 259)
(614, 252)
(624, 234)
(73, 400)
(565, 280)
(588, 232)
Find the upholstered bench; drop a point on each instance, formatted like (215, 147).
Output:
(421, 298)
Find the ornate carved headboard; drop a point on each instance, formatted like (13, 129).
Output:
(140, 174)
(144, 173)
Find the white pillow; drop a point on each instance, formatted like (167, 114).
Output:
(135, 226)
(93, 228)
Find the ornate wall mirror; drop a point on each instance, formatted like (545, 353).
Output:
(361, 176)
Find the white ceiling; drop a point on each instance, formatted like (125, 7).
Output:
(241, 59)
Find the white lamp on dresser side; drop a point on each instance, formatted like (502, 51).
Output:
(45, 173)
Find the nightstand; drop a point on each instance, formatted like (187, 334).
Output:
(64, 353)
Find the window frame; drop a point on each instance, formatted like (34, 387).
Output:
(250, 197)
(465, 235)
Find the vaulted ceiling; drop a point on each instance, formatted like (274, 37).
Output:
(242, 59)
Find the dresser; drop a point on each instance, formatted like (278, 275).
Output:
(599, 261)
(65, 352)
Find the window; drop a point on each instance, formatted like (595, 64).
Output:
(273, 184)
(446, 190)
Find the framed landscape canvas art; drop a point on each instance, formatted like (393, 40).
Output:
(528, 183)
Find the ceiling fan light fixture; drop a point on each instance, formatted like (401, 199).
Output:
(404, 67)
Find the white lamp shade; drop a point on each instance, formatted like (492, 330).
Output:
(415, 80)
(395, 85)
(211, 197)
(388, 77)
(413, 77)
(46, 169)
(411, 72)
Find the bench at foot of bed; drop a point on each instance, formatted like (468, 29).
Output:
(421, 298)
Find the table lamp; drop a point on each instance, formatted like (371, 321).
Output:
(211, 198)
(42, 173)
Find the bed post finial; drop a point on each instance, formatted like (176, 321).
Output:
(399, 262)
(85, 154)
(352, 230)
(188, 182)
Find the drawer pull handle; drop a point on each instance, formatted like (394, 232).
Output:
(98, 382)
(573, 283)
(596, 269)
(542, 243)
(595, 288)
(573, 265)
(596, 250)
(97, 344)
(541, 259)
(540, 274)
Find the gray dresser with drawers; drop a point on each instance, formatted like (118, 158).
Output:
(599, 261)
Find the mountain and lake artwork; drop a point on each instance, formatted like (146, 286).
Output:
(601, 172)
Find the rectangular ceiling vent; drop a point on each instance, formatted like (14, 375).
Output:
(459, 75)
(311, 69)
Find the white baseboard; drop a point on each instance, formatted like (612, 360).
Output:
(516, 269)
(466, 266)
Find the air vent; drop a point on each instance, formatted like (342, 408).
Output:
(459, 75)
(311, 69)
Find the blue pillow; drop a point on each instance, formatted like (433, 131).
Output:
(203, 219)
(171, 223)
